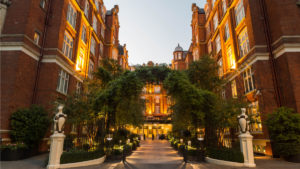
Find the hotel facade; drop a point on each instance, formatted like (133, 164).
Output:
(48, 48)
(256, 43)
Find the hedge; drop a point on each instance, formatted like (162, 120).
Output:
(226, 154)
(79, 155)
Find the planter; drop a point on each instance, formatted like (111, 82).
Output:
(13, 155)
(293, 158)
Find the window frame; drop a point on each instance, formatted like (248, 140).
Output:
(86, 9)
(91, 68)
(239, 12)
(234, 89)
(72, 15)
(63, 82)
(216, 21)
(93, 46)
(218, 44)
(243, 40)
(84, 33)
(36, 39)
(69, 52)
(249, 81)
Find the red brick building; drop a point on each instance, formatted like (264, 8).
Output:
(48, 48)
(257, 45)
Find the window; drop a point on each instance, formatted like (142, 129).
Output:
(157, 99)
(176, 66)
(213, 2)
(239, 12)
(103, 11)
(231, 59)
(244, 42)
(68, 45)
(93, 46)
(223, 94)
(209, 47)
(224, 6)
(63, 82)
(83, 34)
(157, 89)
(80, 60)
(36, 38)
(91, 68)
(220, 70)
(216, 21)
(233, 89)
(78, 87)
(43, 3)
(179, 55)
(71, 15)
(248, 77)
(102, 31)
(95, 21)
(207, 30)
(97, 4)
(218, 44)
(86, 9)
(253, 111)
(226, 32)
(101, 48)
(157, 109)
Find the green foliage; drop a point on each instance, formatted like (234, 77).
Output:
(29, 125)
(284, 130)
(204, 74)
(79, 155)
(226, 154)
(13, 146)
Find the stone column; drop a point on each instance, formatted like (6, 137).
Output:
(56, 149)
(4, 4)
(247, 149)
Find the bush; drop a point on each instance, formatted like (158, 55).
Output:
(226, 154)
(29, 125)
(80, 155)
(162, 137)
(284, 130)
(128, 149)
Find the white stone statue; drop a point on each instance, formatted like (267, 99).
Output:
(243, 121)
(59, 120)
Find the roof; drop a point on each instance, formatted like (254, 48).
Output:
(178, 48)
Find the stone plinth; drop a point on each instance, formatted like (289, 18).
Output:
(56, 149)
(247, 149)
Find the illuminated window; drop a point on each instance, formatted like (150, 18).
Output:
(63, 82)
(176, 66)
(93, 46)
(86, 8)
(239, 12)
(231, 58)
(91, 69)
(208, 30)
(83, 34)
(216, 21)
(42, 3)
(36, 38)
(95, 21)
(233, 89)
(220, 70)
(244, 42)
(179, 55)
(253, 110)
(71, 15)
(68, 45)
(80, 60)
(78, 87)
(157, 109)
(103, 11)
(157, 99)
(248, 77)
(157, 89)
(218, 44)
(224, 6)
(226, 31)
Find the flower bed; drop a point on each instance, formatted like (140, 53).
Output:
(14, 151)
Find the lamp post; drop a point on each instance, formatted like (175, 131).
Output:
(109, 139)
(200, 138)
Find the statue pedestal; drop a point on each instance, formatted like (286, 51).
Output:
(56, 149)
(247, 149)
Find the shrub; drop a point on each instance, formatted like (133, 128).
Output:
(284, 130)
(80, 155)
(29, 125)
(128, 149)
(162, 137)
(226, 154)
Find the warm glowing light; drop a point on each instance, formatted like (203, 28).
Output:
(80, 60)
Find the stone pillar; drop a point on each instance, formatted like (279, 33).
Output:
(56, 149)
(4, 4)
(247, 149)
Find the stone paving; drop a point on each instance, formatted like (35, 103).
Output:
(152, 155)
